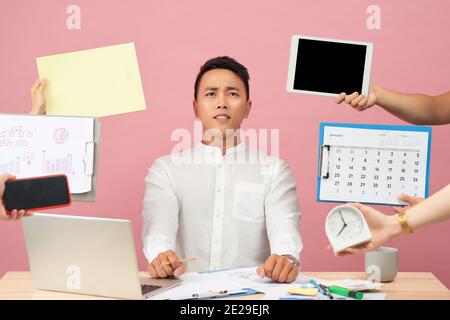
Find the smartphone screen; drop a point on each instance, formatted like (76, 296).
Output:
(35, 193)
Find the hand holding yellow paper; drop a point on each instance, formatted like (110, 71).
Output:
(96, 82)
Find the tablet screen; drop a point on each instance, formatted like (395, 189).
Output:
(329, 67)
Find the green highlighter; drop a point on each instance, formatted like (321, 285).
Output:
(345, 292)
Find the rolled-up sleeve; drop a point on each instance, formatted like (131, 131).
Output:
(283, 212)
(160, 211)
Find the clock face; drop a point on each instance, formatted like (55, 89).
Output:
(344, 223)
(345, 227)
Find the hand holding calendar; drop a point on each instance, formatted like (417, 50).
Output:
(372, 163)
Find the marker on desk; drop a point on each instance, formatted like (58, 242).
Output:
(346, 292)
(322, 289)
(186, 260)
(327, 291)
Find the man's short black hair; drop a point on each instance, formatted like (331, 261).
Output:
(223, 62)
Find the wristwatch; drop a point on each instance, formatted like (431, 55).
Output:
(291, 258)
(404, 224)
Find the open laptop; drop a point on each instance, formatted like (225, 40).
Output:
(86, 255)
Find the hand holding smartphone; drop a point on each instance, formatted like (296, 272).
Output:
(36, 193)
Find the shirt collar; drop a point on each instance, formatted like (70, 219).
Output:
(216, 151)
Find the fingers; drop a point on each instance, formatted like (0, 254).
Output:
(349, 98)
(354, 250)
(20, 214)
(292, 274)
(340, 98)
(13, 215)
(410, 199)
(179, 271)
(166, 264)
(39, 86)
(270, 265)
(398, 209)
(152, 270)
(286, 271)
(173, 259)
(355, 102)
(35, 85)
(6, 177)
(164, 270)
(361, 249)
(260, 271)
(3, 214)
(159, 270)
(279, 269)
(358, 206)
(362, 104)
(344, 253)
(42, 86)
(279, 265)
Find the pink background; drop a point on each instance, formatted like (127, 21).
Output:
(173, 38)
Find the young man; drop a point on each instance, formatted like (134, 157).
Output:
(226, 210)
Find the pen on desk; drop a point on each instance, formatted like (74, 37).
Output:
(185, 260)
(326, 290)
(345, 292)
(319, 287)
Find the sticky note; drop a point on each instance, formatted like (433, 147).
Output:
(303, 291)
(96, 82)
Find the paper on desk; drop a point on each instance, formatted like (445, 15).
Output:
(96, 82)
(355, 284)
(250, 278)
(197, 283)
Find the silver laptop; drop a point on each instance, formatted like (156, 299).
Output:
(86, 255)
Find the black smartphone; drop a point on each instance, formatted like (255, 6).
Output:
(37, 193)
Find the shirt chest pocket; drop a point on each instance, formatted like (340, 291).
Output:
(248, 202)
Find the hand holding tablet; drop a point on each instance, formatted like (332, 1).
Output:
(329, 67)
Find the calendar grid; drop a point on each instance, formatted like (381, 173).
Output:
(355, 164)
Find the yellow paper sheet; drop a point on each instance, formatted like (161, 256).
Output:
(96, 82)
(303, 291)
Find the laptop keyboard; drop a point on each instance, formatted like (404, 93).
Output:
(146, 288)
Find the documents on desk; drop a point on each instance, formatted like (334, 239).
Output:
(218, 284)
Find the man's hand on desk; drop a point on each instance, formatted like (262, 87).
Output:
(166, 264)
(279, 268)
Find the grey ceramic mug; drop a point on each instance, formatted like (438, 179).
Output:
(382, 264)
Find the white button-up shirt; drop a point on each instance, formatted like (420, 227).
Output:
(227, 211)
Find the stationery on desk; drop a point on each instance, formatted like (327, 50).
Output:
(245, 281)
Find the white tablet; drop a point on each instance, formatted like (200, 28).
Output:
(329, 66)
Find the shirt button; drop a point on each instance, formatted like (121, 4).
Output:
(219, 190)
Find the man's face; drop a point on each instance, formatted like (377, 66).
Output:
(221, 101)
